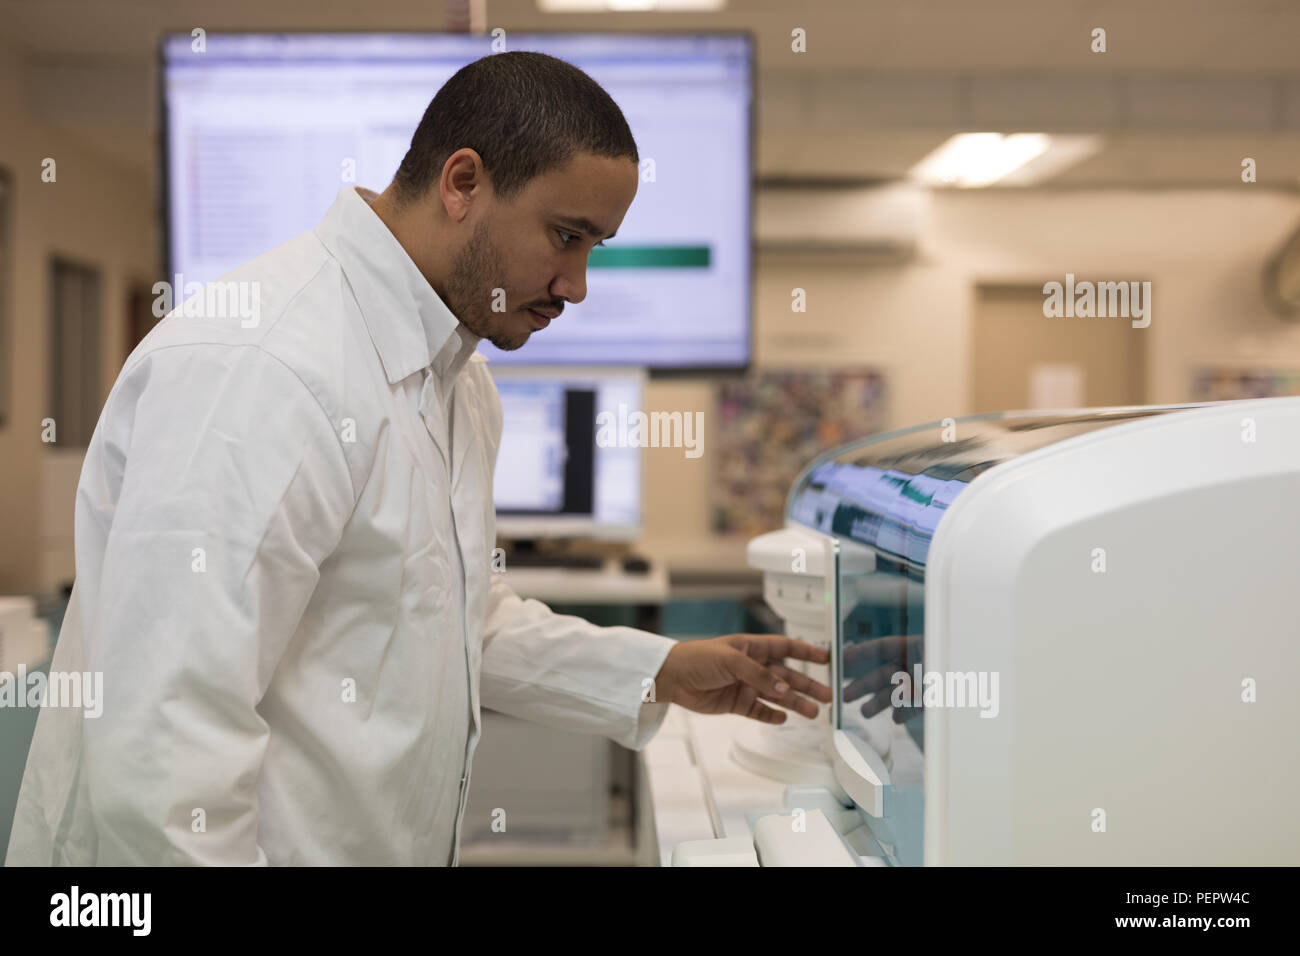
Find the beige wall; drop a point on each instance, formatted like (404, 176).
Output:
(97, 212)
(1202, 250)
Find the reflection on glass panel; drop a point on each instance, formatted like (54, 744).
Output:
(882, 637)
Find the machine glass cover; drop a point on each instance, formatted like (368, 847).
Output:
(888, 492)
(882, 499)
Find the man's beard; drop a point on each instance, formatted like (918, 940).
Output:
(474, 275)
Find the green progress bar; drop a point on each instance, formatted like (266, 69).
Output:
(649, 257)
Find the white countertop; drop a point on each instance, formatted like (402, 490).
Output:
(689, 804)
(607, 585)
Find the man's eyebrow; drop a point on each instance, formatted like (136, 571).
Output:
(583, 224)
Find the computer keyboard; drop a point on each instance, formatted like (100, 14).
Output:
(542, 559)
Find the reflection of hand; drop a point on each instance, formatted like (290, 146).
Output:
(868, 667)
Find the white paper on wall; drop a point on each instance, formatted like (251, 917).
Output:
(1056, 385)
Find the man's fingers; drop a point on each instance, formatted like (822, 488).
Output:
(802, 683)
(751, 672)
(796, 702)
(803, 651)
(775, 682)
(778, 646)
(760, 711)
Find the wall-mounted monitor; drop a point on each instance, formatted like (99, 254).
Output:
(261, 131)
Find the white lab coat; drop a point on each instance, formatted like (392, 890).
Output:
(283, 554)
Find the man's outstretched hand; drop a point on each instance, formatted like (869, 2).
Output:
(734, 674)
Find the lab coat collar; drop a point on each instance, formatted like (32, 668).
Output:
(409, 323)
(457, 350)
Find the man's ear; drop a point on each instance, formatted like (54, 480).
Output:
(463, 180)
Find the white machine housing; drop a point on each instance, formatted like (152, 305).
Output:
(1141, 720)
(1134, 590)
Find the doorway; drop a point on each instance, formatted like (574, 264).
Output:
(1025, 360)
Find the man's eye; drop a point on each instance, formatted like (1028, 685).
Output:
(569, 235)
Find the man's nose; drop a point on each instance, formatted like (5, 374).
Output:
(571, 284)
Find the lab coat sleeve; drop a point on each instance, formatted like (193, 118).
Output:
(234, 489)
(565, 672)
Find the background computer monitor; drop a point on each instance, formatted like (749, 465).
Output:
(261, 131)
(553, 479)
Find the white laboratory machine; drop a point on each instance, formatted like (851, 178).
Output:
(1066, 638)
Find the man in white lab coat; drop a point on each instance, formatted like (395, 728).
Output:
(284, 525)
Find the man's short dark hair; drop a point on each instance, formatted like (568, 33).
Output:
(524, 113)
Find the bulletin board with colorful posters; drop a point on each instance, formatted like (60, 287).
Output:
(1231, 384)
(770, 425)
